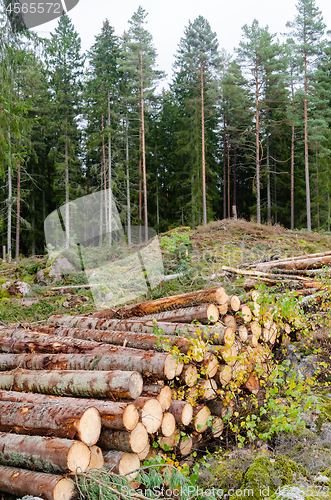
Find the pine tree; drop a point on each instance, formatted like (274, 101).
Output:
(140, 68)
(307, 30)
(197, 58)
(258, 52)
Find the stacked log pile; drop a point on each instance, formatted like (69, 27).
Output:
(114, 382)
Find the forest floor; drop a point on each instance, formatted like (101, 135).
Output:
(299, 460)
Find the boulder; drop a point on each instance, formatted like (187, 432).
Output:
(16, 288)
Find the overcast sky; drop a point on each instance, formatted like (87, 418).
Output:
(167, 20)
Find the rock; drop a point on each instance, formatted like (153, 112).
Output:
(53, 272)
(17, 288)
(306, 365)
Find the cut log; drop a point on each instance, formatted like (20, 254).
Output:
(229, 354)
(223, 335)
(212, 295)
(252, 383)
(123, 464)
(97, 384)
(134, 441)
(224, 375)
(255, 329)
(96, 461)
(234, 303)
(243, 333)
(244, 315)
(48, 454)
(143, 341)
(49, 419)
(206, 313)
(182, 411)
(168, 425)
(149, 363)
(162, 393)
(114, 415)
(210, 365)
(300, 262)
(189, 375)
(207, 389)
(219, 409)
(217, 427)
(168, 443)
(145, 453)
(201, 415)
(229, 320)
(139, 325)
(252, 340)
(20, 482)
(185, 445)
(150, 412)
(222, 309)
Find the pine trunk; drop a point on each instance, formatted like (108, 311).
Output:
(123, 464)
(131, 442)
(91, 384)
(206, 313)
(114, 415)
(48, 454)
(49, 419)
(257, 149)
(143, 144)
(20, 482)
(204, 201)
(18, 211)
(9, 213)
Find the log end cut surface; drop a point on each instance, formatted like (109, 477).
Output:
(89, 426)
(78, 458)
(136, 385)
(187, 414)
(96, 461)
(129, 465)
(201, 418)
(130, 417)
(172, 367)
(168, 426)
(151, 415)
(139, 438)
(64, 490)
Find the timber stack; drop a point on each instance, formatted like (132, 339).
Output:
(98, 390)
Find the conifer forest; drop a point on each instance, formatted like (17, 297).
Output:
(245, 134)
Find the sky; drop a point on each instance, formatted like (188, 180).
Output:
(167, 20)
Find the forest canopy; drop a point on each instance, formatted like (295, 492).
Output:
(245, 134)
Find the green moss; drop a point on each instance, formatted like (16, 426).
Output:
(267, 473)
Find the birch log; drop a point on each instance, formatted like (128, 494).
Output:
(48, 454)
(47, 419)
(20, 482)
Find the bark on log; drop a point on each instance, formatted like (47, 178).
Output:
(92, 384)
(134, 441)
(20, 482)
(128, 339)
(212, 295)
(150, 413)
(182, 411)
(114, 415)
(219, 409)
(96, 357)
(300, 262)
(96, 461)
(123, 464)
(139, 325)
(206, 313)
(48, 454)
(162, 393)
(47, 419)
